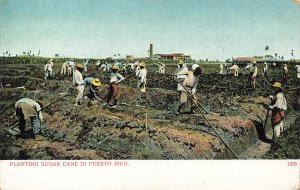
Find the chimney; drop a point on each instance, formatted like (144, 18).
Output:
(151, 51)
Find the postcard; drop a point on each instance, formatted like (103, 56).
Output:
(160, 94)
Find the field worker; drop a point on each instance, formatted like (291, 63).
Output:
(103, 67)
(94, 85)
(284, 73)
(28, 108)
(108, 66)
(180, 77)
(273, 66)
(113, 91)
(297, 67)
(253, 73)
(190, 81)
(161, 68)
(142, 75)
(85, 64)
(64, 68)
(194, 66)
(79, 83)
(48, 71)
(265, 68)
(51, 64)
(235, 67)
(98, 65)
(222, 68)
(278, 106)
(71, 66)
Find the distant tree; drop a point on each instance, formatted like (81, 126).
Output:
(6, 52)
(282, 57)
(206, 60)
(276, 55)
(267, 49)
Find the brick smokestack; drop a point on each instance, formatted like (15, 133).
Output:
(151, 51)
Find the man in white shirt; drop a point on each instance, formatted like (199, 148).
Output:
(265, 69)
(161, 68)
(190, 82)
(48, 71)
(297, 67)
(278, 106)
(113, 91)
(222, 68)
(180, 77)
(284, 73)
(253, 73)
(71, 66)
(79, 83)
(141, 73)
(235, 68)
(64, 68)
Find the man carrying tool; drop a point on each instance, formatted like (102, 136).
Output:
(161, 68)
(180, 77)
(278, 106)
(48, 70)
(94, 85)
(235, 68)
(142, 74)
(189, 83)
(113, 90)
(28, 108)
(253, 73)
(79, 83)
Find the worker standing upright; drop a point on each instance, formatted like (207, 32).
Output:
(28, 108)
(113, 91)
(52, 65)
(64, 68)
(297, 67)
(48, 70)
(285, 74)
(278, 106)
(180, 77)
(161, 68)
(79, 83)
(221, 68)
(141, 73)
(265, 69)
(253, 73)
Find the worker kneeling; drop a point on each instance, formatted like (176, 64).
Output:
(278, 106)
(28, 108)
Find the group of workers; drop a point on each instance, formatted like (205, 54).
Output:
(186, 87)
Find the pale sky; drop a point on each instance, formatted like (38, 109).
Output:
(213, 29)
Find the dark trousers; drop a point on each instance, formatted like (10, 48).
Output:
(112, 97)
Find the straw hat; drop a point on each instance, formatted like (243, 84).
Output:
(254, 62)
(142, 64)
(115, 67)
(277, 85)
(96, 82)
(80, 66)
(180, 62)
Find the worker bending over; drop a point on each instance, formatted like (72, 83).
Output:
(189, 83)
(235, 68)
(28, 108)
(180, 77)
(94, 85)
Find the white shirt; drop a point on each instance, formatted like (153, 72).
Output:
(194, 66)
(142, 73)
(71, 64)
(234, 67)
(48, 67)
(298, 68)
(180, 70)
(280, 102)
(116, 77)
(77, 78)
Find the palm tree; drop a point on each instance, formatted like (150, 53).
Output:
(276, 55)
